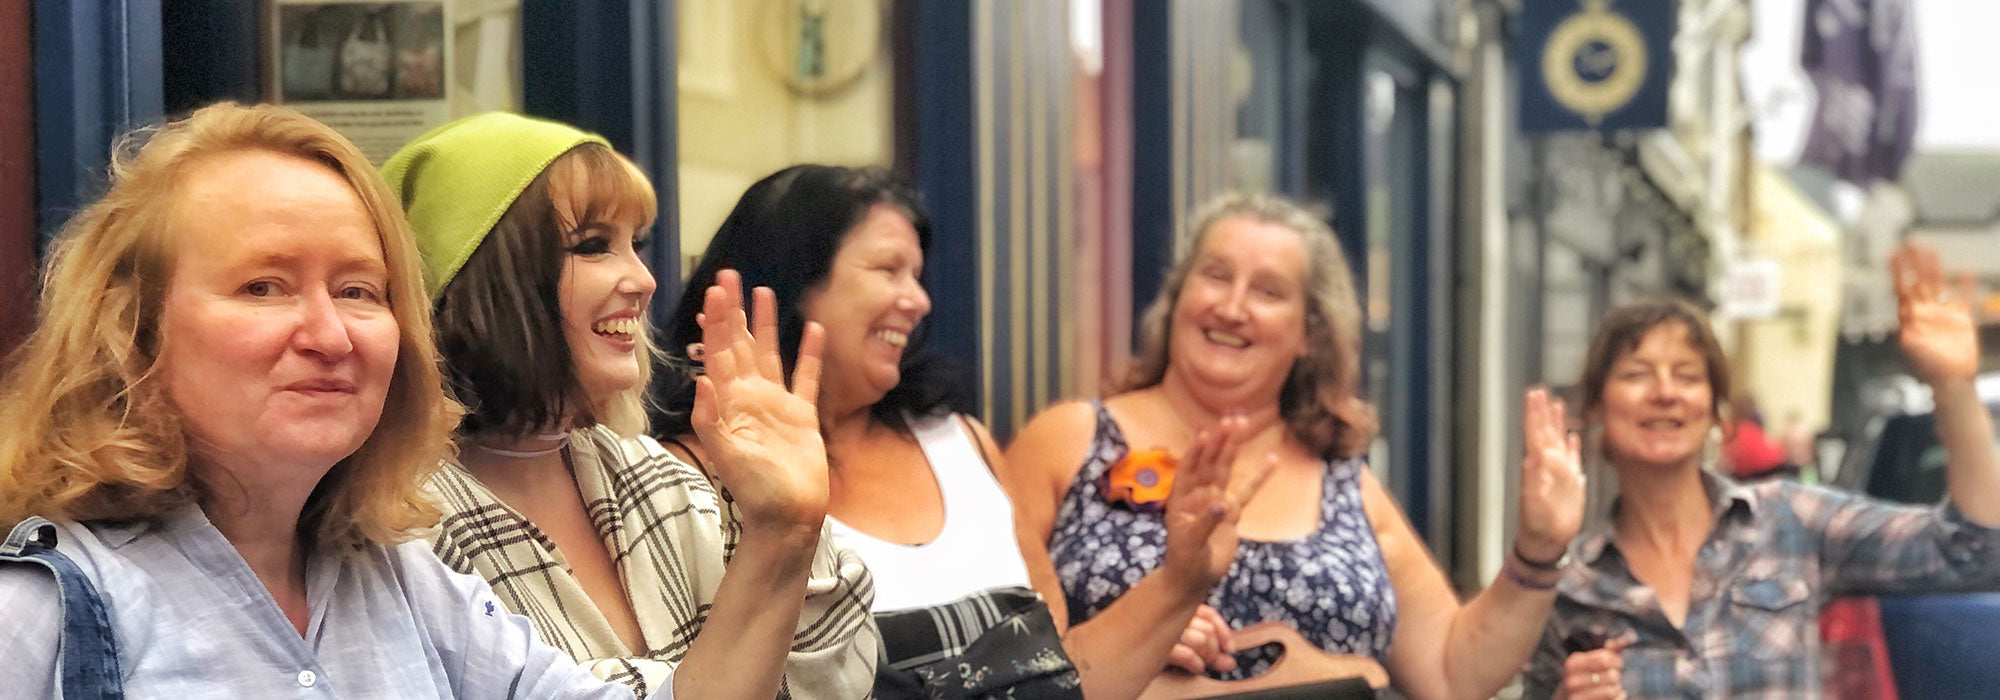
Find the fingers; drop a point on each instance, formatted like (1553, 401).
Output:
(1206, 643)
(764, 336)
(704, 403)
(1194, 469)
(1930, 272)
(1184, 658)
(1231, 437)
(1531, 415)
(1247, 487)
(806, 372)
(1902, 274)
(1225, 642)
(1596, 673)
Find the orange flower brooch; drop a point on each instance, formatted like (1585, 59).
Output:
(1140, 481)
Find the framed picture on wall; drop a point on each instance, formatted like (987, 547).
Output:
(375, 71)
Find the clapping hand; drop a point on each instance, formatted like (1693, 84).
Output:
(1938, 335)
(764, 438)
(1551, 479)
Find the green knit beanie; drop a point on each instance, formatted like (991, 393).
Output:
(457, 180)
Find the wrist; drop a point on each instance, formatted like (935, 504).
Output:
(779, 540)
(1186, 586)
(1537, 580)
(1540, 556)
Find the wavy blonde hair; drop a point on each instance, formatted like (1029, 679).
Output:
(1318, 401)
(91, 432)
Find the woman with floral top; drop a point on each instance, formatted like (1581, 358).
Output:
(1260, 321)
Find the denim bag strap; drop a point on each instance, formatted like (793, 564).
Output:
(88, 652)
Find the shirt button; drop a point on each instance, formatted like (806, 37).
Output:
(307, 679)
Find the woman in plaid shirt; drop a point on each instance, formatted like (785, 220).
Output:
(1709, 588)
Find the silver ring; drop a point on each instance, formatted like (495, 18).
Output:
(1596, 678)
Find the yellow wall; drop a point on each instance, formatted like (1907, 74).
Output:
(1787, 361)
(739, 121)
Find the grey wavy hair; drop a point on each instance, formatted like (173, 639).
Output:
(1318, 400)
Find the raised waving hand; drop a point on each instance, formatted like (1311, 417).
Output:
(763, 436)
(1203, 510)
(1551, 479)
(1938, 335)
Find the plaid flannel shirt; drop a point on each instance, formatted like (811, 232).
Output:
(1776, 553)
(670, 530)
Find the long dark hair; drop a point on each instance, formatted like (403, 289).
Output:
(783, 234)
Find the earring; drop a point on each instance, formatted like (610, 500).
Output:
(695, 351)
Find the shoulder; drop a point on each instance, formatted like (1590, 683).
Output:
(1056, 440)
(1382, 508)
(418, 575)
(1066, 423)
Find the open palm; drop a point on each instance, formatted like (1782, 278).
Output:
(764, 437)
(1938, 335)
(1202, 512)
(1551, 476)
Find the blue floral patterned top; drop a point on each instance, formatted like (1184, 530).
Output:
(1332, 586)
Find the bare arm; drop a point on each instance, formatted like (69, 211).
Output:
(1125, 646)
(1443, 649)
(1942, 344)
(767, 449)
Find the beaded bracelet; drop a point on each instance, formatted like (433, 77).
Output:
(1537, 565)
(1507, 567)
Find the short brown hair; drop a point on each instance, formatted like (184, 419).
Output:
(1621, 330)
(90, 431)
(500, 318)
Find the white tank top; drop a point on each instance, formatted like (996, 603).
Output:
(976, 549)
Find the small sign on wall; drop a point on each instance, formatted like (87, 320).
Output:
(374, 71)
(1750, 290)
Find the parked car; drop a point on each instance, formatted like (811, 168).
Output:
(1936, 645)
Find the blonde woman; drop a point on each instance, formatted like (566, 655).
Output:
(227, 415)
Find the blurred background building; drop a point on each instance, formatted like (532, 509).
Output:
(1758, 157)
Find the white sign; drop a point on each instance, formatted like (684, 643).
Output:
(374, 71)
(1750, 290)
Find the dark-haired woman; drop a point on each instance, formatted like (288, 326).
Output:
(913, 486)
(614, 548)
(1703, 587)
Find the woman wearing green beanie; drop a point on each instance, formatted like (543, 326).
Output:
(610, 545)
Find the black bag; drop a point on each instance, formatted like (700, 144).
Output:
(1000, 643)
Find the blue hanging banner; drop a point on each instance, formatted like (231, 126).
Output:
(1594, 64)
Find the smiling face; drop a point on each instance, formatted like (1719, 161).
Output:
(1658, 402)
(603, 295)
(1239, 321)
(278, 341)
(870, 302)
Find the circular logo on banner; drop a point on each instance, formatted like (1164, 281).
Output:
(1594, 62)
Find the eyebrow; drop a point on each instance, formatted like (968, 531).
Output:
(287, 260)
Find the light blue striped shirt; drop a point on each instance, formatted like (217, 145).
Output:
(194, 623)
